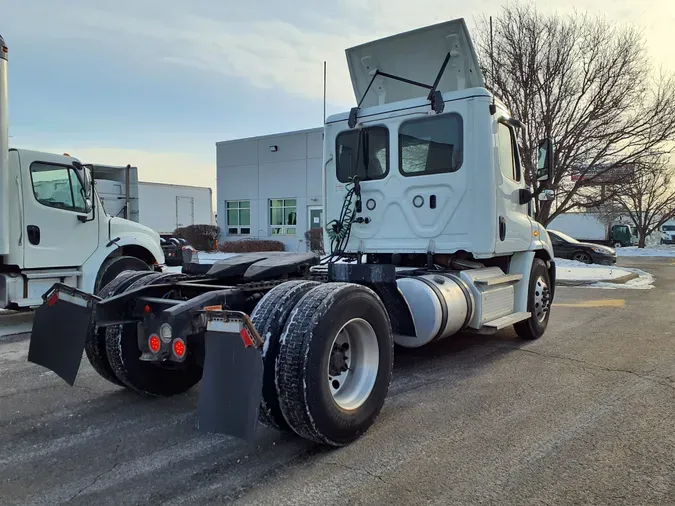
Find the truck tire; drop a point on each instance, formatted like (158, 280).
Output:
(333, 384)
(269, 317)
(538, 303)
(113, 266)
(95, 345)
(147, 378)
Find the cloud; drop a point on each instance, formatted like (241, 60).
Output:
(276, 45)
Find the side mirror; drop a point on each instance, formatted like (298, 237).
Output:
(546, 195)
(545, 160)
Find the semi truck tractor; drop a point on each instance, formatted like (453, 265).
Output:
(53, 227)
(430, 234)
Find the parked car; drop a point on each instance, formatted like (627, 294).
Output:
(568, 247)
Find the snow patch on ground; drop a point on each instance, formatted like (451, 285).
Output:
(601, 276)
(653, 251)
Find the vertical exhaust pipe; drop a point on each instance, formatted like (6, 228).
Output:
(4, 152)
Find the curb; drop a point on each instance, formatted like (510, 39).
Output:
(582, 282)
(16, 317)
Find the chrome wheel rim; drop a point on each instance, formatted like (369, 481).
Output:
(353, 364)
(542, 299)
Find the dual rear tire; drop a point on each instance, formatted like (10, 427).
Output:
(328, 359)
(113, 351)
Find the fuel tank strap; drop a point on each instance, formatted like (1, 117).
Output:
(441, 301)
(467, 294)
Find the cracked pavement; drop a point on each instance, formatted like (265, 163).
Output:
(585, 415)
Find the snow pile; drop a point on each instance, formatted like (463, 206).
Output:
(653, 251)
(600, 276)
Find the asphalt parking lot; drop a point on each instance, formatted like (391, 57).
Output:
(586, 415)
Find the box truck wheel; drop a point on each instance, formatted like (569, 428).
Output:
(110, 281)
(113, 266)
(269, 317)
(148, 378)
(538, 302)
(335, 363)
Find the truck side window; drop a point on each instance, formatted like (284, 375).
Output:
(507, 155)
(57, 186)
(350, 146)
(430, 145)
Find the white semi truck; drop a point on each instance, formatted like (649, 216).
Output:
(430, 231)
(53, 227)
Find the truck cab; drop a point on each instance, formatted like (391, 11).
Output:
(59, 231)
(437, 181)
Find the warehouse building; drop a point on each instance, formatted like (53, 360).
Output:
(270, 187)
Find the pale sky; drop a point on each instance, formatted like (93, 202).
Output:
(157, 83)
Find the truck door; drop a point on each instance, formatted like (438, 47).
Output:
(185, 211)
(54, 233)
(514, 227)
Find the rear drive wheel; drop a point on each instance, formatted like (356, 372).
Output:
(114, 276)
(269, 317)
(335, 363)
(538, 303)
(148, 378)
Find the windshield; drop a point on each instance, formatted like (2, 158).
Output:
(668, 228)
(564, 237)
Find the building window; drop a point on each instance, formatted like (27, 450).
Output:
(58, 186)
(239, 217)
(430, 145)
(351, 146)
(283, 216)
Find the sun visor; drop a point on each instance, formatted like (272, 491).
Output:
(417, 55)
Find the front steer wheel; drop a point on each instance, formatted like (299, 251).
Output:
(538, 303)
(334, 363)
(147, 378)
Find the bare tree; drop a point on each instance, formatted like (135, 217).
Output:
(587, 84)
(648, 197)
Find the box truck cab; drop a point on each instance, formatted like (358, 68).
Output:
(53, 227)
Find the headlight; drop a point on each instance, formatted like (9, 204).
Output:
(604, 251)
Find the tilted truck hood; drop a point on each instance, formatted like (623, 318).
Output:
(416, 55)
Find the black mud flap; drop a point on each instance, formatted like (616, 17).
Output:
(60, 327)
(231, 386)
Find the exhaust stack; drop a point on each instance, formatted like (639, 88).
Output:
(4, 152)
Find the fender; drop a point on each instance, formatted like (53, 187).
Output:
(93, 264)
(521, 263)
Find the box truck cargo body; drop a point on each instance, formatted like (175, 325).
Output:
(161, 206)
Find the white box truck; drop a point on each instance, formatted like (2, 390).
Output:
(590, 227)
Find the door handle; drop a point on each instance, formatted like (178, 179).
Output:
(502, 228)
(33, 234)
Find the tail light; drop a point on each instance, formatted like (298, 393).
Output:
(179, 348)
(154, 343)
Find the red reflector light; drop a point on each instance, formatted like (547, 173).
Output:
(179, 348)
(154, 343)
(53, 298)
(246, 337)
(147, 309)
